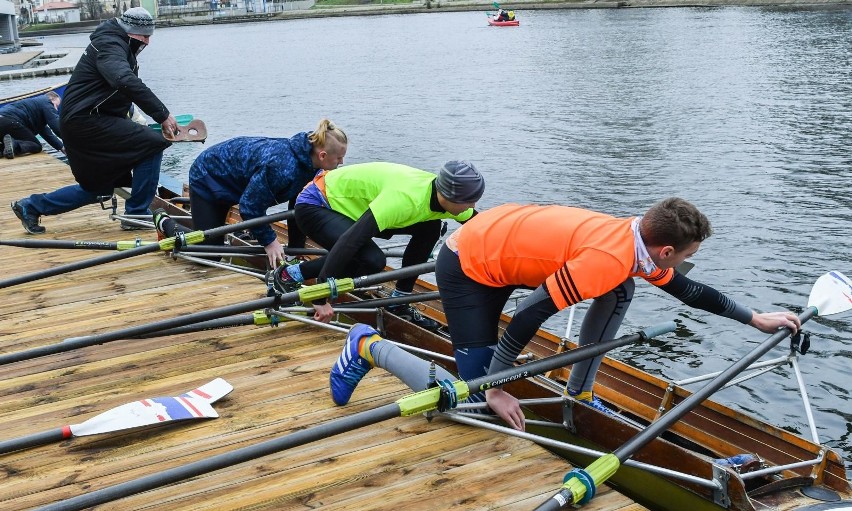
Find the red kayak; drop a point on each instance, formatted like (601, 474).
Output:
(495, 23)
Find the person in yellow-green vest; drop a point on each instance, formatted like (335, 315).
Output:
(344, 209)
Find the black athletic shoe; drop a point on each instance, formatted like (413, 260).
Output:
(28, 220)
(9, 147)
(412, 315)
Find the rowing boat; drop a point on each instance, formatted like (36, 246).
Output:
(59, 89)
(675, 472)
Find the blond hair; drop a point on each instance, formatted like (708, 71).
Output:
(52, 95)
(327, 130)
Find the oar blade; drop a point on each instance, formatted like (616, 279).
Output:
(211, 392)
(831, 294)
(146, 412)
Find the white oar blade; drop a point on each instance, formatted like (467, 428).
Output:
(831, 294)
(146, 412)
(211, 392)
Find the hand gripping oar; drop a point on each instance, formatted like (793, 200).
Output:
(411, 404)
(164, 245)
(831, 294)
(329, 289)
(195, 404)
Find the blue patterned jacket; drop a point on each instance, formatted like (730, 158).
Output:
(256, 173)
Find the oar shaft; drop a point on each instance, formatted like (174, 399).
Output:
(401, 273)
(136, 331)
(36, 439)
(173, 475)
(567, 358)
(79, 265)
(87, 245)
(658, 427)
(241, 320)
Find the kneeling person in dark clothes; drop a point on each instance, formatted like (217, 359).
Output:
(105, 148)
(21, 121)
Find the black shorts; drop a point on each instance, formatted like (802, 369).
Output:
(472, 309)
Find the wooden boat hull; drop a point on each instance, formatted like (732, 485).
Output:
(59, 89)
(708, 432)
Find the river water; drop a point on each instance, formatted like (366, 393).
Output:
(747, 112)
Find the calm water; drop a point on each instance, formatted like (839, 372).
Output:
(747, 112)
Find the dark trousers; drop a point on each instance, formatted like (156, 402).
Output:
(326, 226)
(208, 215)
(25, 140)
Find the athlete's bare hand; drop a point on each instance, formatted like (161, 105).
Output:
(506, 406)
(323, 312)
(274, 253)
(770, 322)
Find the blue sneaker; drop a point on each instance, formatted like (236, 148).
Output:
(589, 399)
(350, 366)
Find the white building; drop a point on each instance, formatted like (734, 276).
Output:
(8, 27)
(58, 12)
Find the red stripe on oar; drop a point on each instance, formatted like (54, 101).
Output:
(201, 393)
(189, 406)
(145, 402)
(66, 432)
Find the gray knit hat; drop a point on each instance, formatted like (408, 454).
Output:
(137, 20)
(460, 182)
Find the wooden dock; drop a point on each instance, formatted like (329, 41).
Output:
(280, 379)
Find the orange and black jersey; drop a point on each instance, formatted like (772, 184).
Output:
(577, 254)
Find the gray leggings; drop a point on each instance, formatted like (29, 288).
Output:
(601, 322)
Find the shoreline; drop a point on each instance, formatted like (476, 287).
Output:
(455, 6)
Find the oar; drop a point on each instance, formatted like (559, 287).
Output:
(411, 404)
(247, 250)
(831, 294)
(261, 318)
(164, 245)
(195, 404)
(306, 294)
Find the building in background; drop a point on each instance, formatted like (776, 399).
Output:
(57, 12)
(9, 41)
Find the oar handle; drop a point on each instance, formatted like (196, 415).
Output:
(36, 439)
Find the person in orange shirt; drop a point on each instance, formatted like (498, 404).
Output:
(566, 255)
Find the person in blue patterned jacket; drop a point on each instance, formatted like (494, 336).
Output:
(257, 173)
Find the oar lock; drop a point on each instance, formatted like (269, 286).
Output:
(448, 398)
(800, 342)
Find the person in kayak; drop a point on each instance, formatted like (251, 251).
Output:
(566, 255)
(344, 209)
(257, 173)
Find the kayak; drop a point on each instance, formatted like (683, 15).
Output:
(495, 23)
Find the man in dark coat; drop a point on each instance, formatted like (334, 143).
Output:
(21, 121)
(105, 148)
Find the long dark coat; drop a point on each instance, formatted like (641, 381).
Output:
(102, 143)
